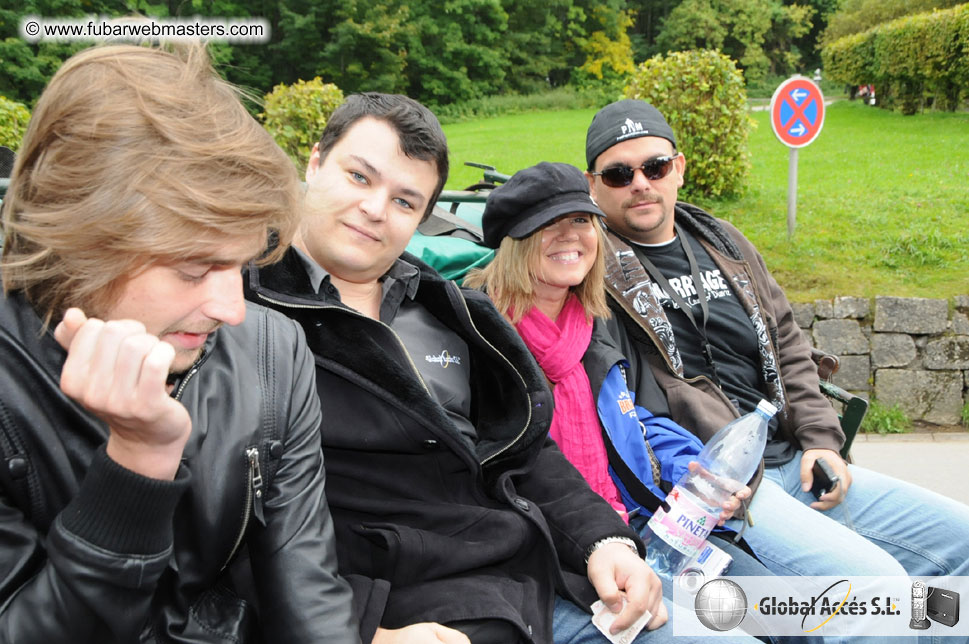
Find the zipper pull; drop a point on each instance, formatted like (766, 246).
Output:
(255, 481)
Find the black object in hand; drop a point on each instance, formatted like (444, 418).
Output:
(825, 479)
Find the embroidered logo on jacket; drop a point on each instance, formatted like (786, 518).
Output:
(444, 359)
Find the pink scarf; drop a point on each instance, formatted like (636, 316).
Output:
(558, 347)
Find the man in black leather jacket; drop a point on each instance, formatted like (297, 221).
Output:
(456, 517)
(154, 427)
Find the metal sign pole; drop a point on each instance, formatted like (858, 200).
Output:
(791, 193)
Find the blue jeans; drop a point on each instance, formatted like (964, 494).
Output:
(900, 529)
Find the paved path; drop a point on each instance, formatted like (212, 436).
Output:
(939, 462)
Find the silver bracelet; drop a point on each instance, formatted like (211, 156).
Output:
(601, 542)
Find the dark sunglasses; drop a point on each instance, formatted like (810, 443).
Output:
(619, 176)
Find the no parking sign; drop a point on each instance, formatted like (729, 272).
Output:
(796, 116)
(797, 112)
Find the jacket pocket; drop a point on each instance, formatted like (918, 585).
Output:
(217, 616)
(396, 551)
(404, 555)
(220, 613)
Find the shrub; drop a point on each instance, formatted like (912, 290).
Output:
(913, 61)
(885, 420)
(702, 95)
(296, 114)
(13, 123)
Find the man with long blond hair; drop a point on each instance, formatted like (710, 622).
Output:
(154, 428)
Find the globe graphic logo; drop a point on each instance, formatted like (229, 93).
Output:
(720, 604)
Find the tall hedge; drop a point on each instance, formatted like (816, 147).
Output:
(296, 114)
(702, 95)
(912, 61)
(13, 123)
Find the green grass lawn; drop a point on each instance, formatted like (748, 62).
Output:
(883, 199)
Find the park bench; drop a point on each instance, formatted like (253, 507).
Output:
(450, 242)
(853, 408)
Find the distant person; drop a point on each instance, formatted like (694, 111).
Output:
(457, 519)
(153, 426)
(708, 333)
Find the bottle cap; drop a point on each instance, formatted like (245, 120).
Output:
(767, 408)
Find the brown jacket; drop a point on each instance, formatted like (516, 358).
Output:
(790, 376)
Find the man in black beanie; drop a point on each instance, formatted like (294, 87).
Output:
(709, 333)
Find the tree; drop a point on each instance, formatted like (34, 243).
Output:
(606, 47)
(455, 52)
(648, 18)
(809, 44)
(788, 26)
(535, 44)
(759, 34)
(368, 51)
(25, 68)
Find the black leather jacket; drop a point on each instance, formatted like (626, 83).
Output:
(429, 526)
(91, 552)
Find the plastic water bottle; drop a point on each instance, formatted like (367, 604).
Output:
(726, 463)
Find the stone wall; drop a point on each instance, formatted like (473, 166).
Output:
(904, 350)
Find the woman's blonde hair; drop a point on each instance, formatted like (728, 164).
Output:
(509, 278)
(136, 155)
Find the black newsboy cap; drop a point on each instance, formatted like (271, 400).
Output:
(534, 197)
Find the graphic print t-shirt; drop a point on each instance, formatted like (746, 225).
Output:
(729, 330)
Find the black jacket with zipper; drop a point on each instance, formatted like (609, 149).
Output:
(429, 526)
(92, 552)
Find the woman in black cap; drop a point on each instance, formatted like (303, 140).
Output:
(547, 280)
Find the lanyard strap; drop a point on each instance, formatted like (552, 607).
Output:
(657, 276)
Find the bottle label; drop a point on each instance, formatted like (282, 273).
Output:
(686, 526)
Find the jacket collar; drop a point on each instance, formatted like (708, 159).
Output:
(401, 271)
(706, 227)
(288, 281)
(20, 323)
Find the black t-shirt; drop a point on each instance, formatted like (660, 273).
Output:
(729, 330)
